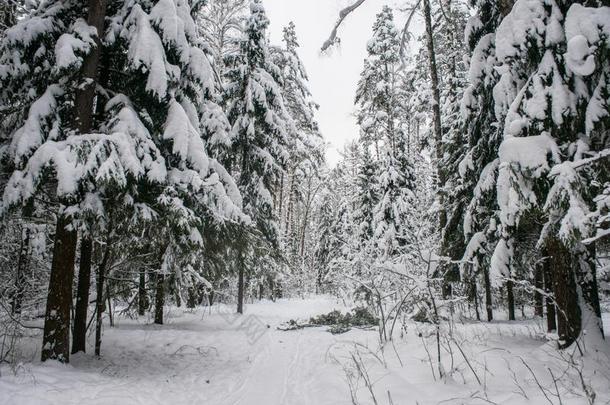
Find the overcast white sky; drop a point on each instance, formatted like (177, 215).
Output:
(333, 77)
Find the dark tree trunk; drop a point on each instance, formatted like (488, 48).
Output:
(510, 297)
(109, 302)
(99, 299)
(85, 94)
(281, 197)
(142, 296)
(22, 264)
(191, 302)
(56, 336)
(475, 295)
(566, 294)
(551, 313)
(159, 298)
(488, 302)
(177, 295)
(538, 285)
(240, 288)
(79, 337)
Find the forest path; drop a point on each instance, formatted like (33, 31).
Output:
(295, 367)
(209, 356)
(212, 356)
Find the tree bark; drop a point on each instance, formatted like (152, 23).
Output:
(551, 313)
(538, 285)
(85, 94)
(475, 295)
(99, 299)
(191, 302)
(488, 302)
(56, 335)
(22, 264)
(510, 297)
(79, 337)
(240, 286)
(436, 106)
(159, 298)
(142, 296)
(566, 294)
(505, 6)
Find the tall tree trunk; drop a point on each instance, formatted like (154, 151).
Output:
(280, 205)
(159, 298)
(551, 313)
(566, 294)
(510, 297)
(310, 196)
(99, 299)
(475, 295)
(240, 285)
(142, 296)
(436, 106)
(191, 301)
(178, 298)
(488, 302)
(22, 264)
(79, 337)
(109, 303)
(538, 285)
(56, 337)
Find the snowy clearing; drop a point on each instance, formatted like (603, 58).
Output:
(209, 356)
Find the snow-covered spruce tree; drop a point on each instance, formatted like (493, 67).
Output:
(553, 99)
(361, 245)
(142, 151)
(47, 132)
(199, 200)
(479, 166)
(261, 130)
(379, 98)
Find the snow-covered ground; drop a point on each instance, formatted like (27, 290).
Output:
(213, 357)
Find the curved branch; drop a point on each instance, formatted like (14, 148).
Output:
(406, 34)
(332, 39)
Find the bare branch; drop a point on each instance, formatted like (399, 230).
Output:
(332, 39)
